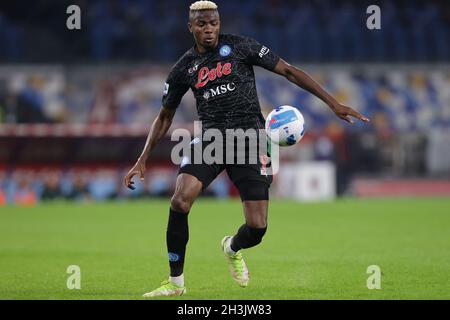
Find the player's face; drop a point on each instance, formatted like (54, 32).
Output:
(205, 27)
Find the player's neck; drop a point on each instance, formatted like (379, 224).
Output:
(201, 50)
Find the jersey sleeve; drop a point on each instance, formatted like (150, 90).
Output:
(257, 54)
(174, 89)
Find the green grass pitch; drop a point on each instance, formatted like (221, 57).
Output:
(311, 251)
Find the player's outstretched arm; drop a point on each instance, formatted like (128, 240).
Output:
(304, 81)
(158, 129)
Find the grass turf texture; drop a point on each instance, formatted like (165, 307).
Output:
(311, 251)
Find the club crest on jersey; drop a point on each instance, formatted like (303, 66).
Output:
(205, 75)
(225, 51)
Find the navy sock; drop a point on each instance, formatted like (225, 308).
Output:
(177, 237)
(247, 237)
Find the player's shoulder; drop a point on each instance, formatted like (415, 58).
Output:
(184, 61)
(236, 39)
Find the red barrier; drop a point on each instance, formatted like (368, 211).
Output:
(398, 188)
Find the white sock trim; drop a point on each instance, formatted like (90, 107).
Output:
(228, 249)
(179, 281)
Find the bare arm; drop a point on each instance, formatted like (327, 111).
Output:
(158, 129)
(304, 81)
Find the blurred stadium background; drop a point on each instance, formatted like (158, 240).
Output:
(76, 106)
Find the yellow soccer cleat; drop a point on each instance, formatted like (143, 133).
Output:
(167, 289)
(236, 264)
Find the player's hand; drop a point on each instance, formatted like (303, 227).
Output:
(346, 113)
(138, 169)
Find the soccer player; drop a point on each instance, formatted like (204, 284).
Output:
(219, 71)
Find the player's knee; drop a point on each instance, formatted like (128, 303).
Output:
(258, 221)
(180, 204)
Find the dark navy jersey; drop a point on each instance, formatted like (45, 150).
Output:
(223, 82)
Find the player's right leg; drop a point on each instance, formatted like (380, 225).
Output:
(187, 189)
(192, 180)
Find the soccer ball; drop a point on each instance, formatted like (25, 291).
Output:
(285, 126)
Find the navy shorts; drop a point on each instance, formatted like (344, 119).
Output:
(250, 174)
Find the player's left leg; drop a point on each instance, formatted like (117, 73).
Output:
(255, 196)
(253, 182)
(251, 233)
